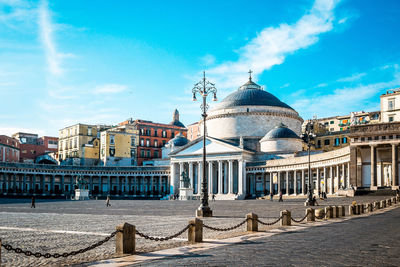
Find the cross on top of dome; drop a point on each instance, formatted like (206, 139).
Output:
(250, 84)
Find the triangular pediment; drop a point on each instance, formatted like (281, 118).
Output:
(213, 146)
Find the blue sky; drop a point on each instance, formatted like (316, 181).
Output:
(67, 62)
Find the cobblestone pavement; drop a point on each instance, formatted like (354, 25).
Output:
(364, 241)
(64, 226)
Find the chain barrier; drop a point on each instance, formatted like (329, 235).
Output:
(320, 217)
(270, 223)
(57, 255)
(163, 238)
(225, 229)
(302, 219)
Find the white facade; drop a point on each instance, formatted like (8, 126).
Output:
(390, 106)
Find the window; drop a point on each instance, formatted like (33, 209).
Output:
(155, 143)
(141, 131)
(112, 151)
(147, 142)
(148, 153)
(132, 152)
(390, 104)
(331, 122)
(326, 142)
(362, 139)
(76, 131)
(390, 136)
(319, 144)
(164, 134)
(369, 138)
(155, 133)
(112, 140)
(172, 134)
(156, 154)
(376, 138)
(391, 118)
(142, 153)
(141, 142)
(337, 141)
(163, 142)
(326, 123)
(148, 132)
(383, 137)
(132, 141)
(89, 131)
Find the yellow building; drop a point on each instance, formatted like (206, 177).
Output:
(91, 153)
(72, 140)
(118, 146)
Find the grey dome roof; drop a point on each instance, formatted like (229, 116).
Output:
(280, 131)
(177, 123)
(179, 140)
(250, 94)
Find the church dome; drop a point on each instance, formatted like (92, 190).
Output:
(179, 140)
(250, 94)
(280, 131)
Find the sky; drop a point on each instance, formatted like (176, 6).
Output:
(68, 62)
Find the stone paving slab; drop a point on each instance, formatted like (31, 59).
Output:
(63, 226)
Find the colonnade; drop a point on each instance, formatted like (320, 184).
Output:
(327, 179)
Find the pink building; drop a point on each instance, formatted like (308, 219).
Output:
(9, 149)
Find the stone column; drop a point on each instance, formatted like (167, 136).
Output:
(279, 182)
(318, 187)
(174, 179)
(181, 169)
(52, 180)
(287, 183)
(42, 180)
(264, 179)
(160, 184)
(191, 174)
(295, 183)
(337, 176)
(14, 182)
(241, 177)
(331, 189)
(226, 175)
(230, 177)
(271, 183)
(200, 177)
(348, 175)
(126, 185)
(343, 175)
(373, 168)
(91, 182)
(254, 184)
(34, 183)
(151, 185)
(325, 181)
(135, 184)
(303, 183)
(220, 178)
(210, 177)
(24, 183)
(395, 160)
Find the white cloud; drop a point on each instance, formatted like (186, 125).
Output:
(321, 85)
(12, 130)
(345, 100)
(285, 85)
(110, 89)
(343, 20)
(352, 78)
(208, 60)
(46, 35)
(271, 46)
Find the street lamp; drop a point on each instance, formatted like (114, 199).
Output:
(308, 137)
(204, 88)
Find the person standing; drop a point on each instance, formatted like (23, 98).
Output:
(271, 196)
(213, 197)
(108, 201)
(33, 202)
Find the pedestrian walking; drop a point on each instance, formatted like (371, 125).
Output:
(280, 196)
(33, 202)
(213, 197)
(271, 196)
(108, 201)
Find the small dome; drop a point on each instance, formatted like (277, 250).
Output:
(178, 140)
(175, 119)
(250, 94)
(280, 131)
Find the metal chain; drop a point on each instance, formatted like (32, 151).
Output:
(225, 229)
(163, 238)
(57, 255)
(270, 223)
(302, 219)
(320, 217)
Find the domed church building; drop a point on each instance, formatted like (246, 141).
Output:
(250, 125)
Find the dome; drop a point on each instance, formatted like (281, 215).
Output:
(280, 131)
(179, 140)
(250, 94)
(177, 123)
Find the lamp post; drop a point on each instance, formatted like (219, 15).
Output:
(204, 88)
(308, 137)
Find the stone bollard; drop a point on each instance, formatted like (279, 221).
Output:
(328, 212)
(125, 239)
(195, 234)
(286, 219)
(389, 202)
(394, 200)
(341, 211)
(352, 210)
(362, 209)
(252, 224)
(383, 204)
(310, 215)
(358, 209)
(371, 207)
(377, 205)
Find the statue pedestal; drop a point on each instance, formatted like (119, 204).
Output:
(185, 193)
(81, 194)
